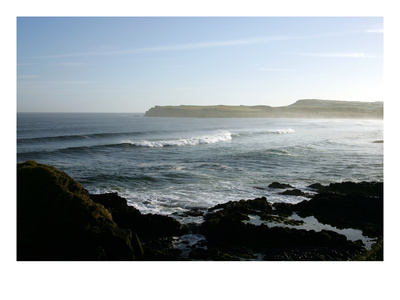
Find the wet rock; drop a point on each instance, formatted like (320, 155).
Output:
(365, 188)
(353, 210)
(195, 212)
(259, 188)
(317, 186)
(225, 232)
(283, 209)
(294, 192)
(277, 185)
(245, 206)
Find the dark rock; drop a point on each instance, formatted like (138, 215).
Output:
(245, 206)
(199, 254)
(161, 250)
(195, 212)
(56, 220)
(283, 209)
(152, 225)
(111, 201)
(277, 185)
(259, 188)
(147, 227)
(354, 210)
(317, 186)
(225, 232)
(294, 192)
(375, 254)
(366, 188)
(226, 236)
(309, 253)
(155, 231)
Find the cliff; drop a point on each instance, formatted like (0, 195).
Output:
(309, 108)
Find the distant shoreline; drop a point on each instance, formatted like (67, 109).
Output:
(308, 108)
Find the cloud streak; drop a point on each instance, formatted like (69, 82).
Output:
(274, 69)
(66, 82)
(178, 47)
(26, 76)
(68, 64)
(374, 31)
(339, 55)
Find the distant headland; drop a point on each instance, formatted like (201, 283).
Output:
(307, 108)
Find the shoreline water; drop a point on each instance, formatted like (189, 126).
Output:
(226, 231)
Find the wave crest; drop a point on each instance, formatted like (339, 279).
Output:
(207, 139)
(281, 131)
(271, 131)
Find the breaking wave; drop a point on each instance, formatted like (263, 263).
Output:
(271, 131)
(207, 139)
(281, 131)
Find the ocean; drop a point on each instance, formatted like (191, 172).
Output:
(172, 165)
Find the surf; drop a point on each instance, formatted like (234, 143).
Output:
(193, 141)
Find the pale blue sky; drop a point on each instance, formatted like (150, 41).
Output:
(123, 64)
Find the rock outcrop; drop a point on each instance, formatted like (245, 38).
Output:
(229, 238)
(56, 220)
(156, 232)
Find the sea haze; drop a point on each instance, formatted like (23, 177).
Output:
(170, 165)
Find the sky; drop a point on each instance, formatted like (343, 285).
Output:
(130, 64)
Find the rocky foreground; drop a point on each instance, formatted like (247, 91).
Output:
(57, 219)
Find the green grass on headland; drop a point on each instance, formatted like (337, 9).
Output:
(310, 108)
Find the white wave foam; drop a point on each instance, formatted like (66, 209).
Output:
(281, 131)
(207, 139)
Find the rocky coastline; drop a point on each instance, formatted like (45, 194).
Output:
(58, 220)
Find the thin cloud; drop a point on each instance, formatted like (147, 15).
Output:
(68, 64)
(188, 88)
(374, 28)
(61, 82)
(179, 47)
(374, 31)
(273, 69)
(339, 55)
(27, 76)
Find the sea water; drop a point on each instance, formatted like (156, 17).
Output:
(172, 165)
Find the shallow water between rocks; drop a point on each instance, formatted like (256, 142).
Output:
(311, 223)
